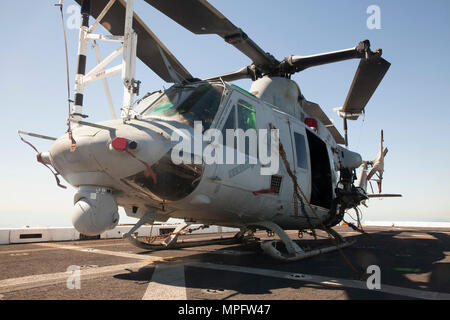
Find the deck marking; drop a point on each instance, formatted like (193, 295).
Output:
(16, 284)
(407, 235)
(100, 251)
(414, 293)
(424, 236)
(31, 250)
(167, 283)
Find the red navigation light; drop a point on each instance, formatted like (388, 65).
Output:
(312, 123)
(119, 143)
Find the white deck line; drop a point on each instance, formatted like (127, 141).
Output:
(168, 283)
(407, 292)
(40, 280)
(99, 251)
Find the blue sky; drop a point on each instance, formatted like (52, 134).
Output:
(411, 104)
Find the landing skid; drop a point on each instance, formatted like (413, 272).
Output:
(270, 248)
(293, 251)
(284, 249)
(140, 243)
(171, 240)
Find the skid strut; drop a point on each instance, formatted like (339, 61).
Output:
(171, 241)
(293, 251)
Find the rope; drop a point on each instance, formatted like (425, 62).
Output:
(69, 101)
(296, 196)
(149, 170)
(297, 187)
(39, 159)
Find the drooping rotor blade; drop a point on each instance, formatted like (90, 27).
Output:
(200, 17)
(149, 47)
(368, 76)
(293, 64)
(244, 73)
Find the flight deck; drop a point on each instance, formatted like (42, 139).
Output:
(414, 263)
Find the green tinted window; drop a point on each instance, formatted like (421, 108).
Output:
(246, 115)
(188, 103)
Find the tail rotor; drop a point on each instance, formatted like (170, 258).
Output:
(378, 165)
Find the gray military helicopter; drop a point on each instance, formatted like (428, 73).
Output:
(129, 162)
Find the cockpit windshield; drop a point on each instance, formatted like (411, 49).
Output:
(187, 104)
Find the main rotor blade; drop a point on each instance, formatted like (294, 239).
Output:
(244, 73)
(200, 17)
(368, 76)
(300, 63)
(148, 47)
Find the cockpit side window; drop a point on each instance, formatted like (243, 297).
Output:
(231, 120)
(246, 115)
(242, 116)
(188, 104)
(244, 119)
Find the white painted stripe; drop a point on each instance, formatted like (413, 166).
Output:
(407, 292)
(26, 250)
(168, 283)
(31, 250)
(424, 236)
(99, 251)
(16, 284)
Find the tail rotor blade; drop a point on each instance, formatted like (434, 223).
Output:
(378, 164)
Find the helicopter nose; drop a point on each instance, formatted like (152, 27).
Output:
(103, 156)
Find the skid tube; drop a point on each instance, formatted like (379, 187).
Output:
(293, 251)
(171, 242)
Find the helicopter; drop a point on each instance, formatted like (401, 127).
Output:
(284, 165)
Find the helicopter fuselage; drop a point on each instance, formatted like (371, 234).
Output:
(142, 178)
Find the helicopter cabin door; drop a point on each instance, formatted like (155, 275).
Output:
(240, 112)
(321, 180)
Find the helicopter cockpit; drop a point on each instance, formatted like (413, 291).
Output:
(184, 103)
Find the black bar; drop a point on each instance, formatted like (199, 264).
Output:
(85, 12)
(81, 64)
(78, 99)
(345, 132)
(31, 236)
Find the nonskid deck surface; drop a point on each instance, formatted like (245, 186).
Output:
(414, 264)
